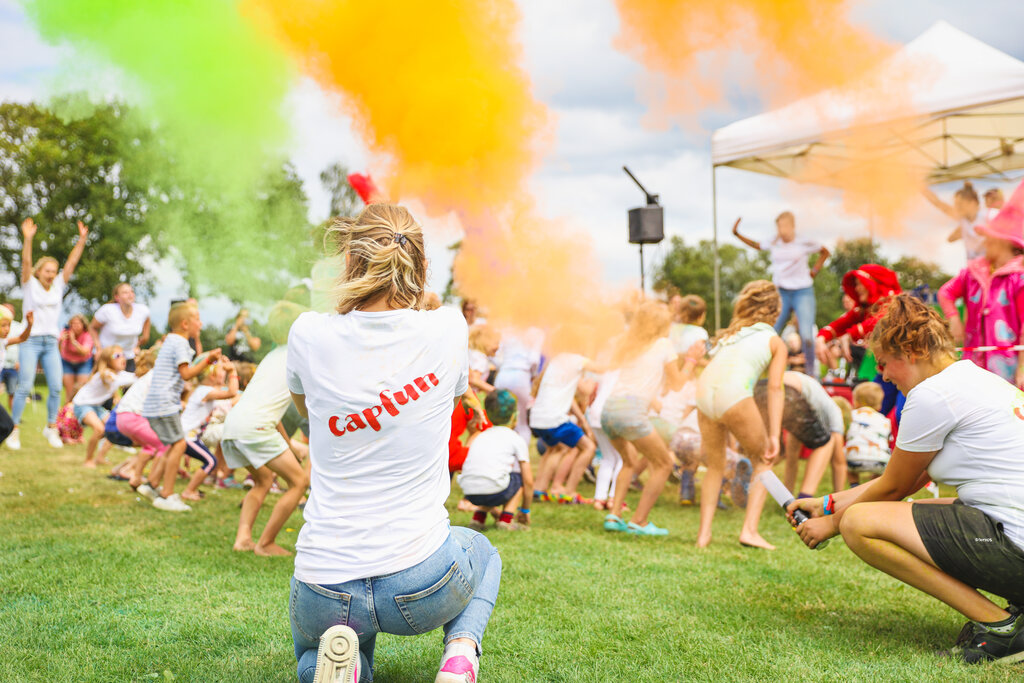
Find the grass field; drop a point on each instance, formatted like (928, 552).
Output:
(97, 586)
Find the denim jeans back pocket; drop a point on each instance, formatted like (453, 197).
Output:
(438, 604)
(314, 609)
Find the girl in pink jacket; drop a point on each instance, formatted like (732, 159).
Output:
(992, 288)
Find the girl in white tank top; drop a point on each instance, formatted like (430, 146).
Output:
(725, 404)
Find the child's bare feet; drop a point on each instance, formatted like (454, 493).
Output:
(244, 545)
(600, 505)
(191, 495)
(465, 506)
(91, 464)
(271, 550)
(704, 540)
(102, 461)
(754, 541)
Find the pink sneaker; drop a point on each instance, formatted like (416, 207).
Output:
(337, 660)
(458, 665)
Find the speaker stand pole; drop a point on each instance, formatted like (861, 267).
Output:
(642, 294)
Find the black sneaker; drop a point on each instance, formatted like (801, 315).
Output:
(986, 646)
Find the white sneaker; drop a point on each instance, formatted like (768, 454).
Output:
(13, 440)
(172, 504)
(337, 660)
(148, 491)
(53, 436)
(459, 664)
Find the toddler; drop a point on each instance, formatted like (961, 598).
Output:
(497, 468)
(198, 409)
(867, 439)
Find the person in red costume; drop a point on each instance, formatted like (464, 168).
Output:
(870, 286)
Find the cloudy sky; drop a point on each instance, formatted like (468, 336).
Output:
(593, 93)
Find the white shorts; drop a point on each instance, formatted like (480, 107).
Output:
(253, 453)
(715, 398)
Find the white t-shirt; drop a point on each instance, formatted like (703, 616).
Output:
(974, 241)
(867, 439)
(96, 391)
(674, 405)
(642, 376)
(380, 390)
(518, 353)
(825, 409)
(3, 352)
(45, 304)
(789, 262)
(493, 455)
(975, 420)
(478, 361)
(684, 336)
(605, 387)
(10, 359)
(197, 410)
(557, 390)
(120, 330)
(135, 397)
(264, 401)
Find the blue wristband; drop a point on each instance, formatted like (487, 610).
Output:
(828, 505)
(525, 511)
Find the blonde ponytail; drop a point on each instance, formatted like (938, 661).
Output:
(383, 247)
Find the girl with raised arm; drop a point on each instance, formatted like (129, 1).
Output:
(43, 286)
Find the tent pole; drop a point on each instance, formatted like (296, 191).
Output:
(714, 225)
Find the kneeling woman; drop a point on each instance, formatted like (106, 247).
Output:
(962, 426)
(378, 381)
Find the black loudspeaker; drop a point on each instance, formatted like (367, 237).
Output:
(646, 225)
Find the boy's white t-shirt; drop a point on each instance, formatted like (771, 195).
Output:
(197, 410)
(45, 305)
(975, 420)
(263, 403)
(789, 262)
(135, 397)
(867, 439)
(478, 361)
(120, 330)
(642, 376)
(557, 390)
(96, 392)
(684, 336)
(380, 390)
(493, 455)
(517, 354)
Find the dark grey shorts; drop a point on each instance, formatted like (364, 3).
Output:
(970, 546)
(798, 417)
(167, 428)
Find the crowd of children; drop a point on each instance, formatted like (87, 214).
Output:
(660, 401)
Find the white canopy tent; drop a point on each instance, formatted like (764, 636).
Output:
(967, 121)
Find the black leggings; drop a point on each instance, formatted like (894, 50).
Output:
(6, 424)
(196, 450)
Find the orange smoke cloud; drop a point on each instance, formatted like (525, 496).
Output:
(437, 92)
(784, 50)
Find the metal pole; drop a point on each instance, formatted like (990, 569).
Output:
(641, 269)
(714, 224)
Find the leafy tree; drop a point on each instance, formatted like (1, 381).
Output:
(59, 171)
(344, 200)
(690, 270)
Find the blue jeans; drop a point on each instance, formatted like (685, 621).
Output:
(455, 587)
(41, 350)
(801, 302)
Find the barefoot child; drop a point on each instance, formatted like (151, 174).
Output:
(107, 377)
(254, 438)
(497, 469)
(6, 317)
(197, 411)
(162, 407)
(725, 401)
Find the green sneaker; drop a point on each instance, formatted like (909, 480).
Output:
(648, 530)
(986, 645)
(614, 523)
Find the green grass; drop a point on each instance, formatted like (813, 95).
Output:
(96, 586)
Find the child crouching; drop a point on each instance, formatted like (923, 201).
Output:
(497, 468)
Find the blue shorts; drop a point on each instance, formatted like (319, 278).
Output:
(83, 368)
(98, 411)
(490, 500)
(568, 433)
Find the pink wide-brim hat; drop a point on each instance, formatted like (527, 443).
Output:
(1009, 222)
